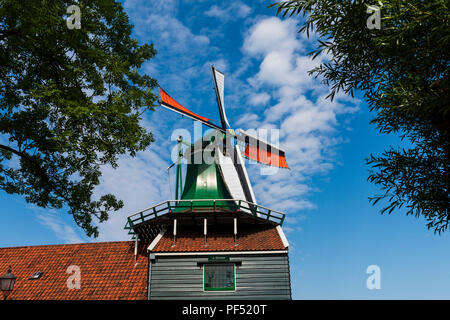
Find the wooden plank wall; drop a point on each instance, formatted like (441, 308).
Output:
(259, 276)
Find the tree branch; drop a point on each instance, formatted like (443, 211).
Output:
(7, 33)
(38, 168)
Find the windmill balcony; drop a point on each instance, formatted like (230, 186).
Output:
(148, 222)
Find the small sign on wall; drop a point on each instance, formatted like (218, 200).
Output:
(218, 258)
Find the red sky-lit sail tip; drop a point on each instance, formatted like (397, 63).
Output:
(261, 151)
(263, 155)
(169, 102)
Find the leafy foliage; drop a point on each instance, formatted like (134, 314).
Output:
(403, 69)
(70, 101)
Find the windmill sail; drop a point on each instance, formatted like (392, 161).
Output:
(219, 85)
(262, 151)
(170, 103)
(230, 176)
(243, 176)
(236, 179)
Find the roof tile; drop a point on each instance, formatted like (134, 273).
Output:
(252, 238)
(107, 269)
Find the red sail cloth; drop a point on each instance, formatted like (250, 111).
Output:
(265, 156)
(170, 102)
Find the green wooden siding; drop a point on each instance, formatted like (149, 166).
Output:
(204, 181)
(259, 276)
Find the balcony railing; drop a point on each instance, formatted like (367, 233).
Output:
(202, 205)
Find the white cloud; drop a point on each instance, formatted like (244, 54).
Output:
(308, 123)
(157, 23)
(220, 64)
(230, 11)
(249, 120)
(179, 65)
(140, 182)
(62, 230)
(259, 99)
(271, 35)
(171, 32)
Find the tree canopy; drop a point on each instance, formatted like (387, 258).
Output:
(71, 101)
(403, 69)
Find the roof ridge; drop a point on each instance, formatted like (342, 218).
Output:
(68, 244)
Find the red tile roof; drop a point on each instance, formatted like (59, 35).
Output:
(255, 238)
(108, 271)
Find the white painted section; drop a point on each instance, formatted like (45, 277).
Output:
(283, 237)
(174, 227)
(156, 240)
(219, 83)
(230, 176)
(235, 226)
(205, 223)
(136, 245)
(242, 134)
(241, 162)
(202, 253)
(188, 153)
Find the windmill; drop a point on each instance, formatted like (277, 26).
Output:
(213, 240)
(209, 187)
(231, 164)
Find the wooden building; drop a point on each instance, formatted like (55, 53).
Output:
(255, 267)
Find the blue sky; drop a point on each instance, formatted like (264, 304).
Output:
(334, 233)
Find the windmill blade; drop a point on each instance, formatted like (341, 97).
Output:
(230, 175)
(167, 101)
(170, 103)
(234, 174)
(243, 176)
(262, 151)
(219, 85)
